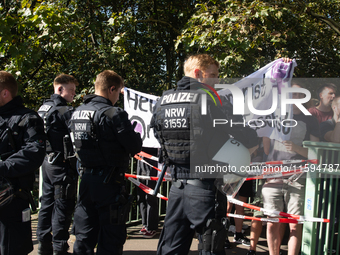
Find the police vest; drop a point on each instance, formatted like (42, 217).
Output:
(92, 147)
(11, 137)
(54, 126)
(179, 124)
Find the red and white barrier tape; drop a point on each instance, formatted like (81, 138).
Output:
(151, 178)
(274, 220)
(269, 173)
(279, 162)
(167, 175)
(278, 213)
(139, 158)
(284, 162)
(145, 188)
(277, 174)
(146, 155)
(294, 218)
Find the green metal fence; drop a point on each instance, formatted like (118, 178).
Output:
(134, 216)
(322, 200)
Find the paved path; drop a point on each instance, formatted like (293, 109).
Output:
(137, 245)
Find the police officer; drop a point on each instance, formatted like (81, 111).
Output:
(104, 139)
(58, 169)
(22, 150)
(188, 138)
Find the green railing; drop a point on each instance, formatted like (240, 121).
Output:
(322, 200)
(134, 216)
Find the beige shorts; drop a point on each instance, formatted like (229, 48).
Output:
(279, 195)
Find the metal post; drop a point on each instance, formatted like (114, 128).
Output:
(309, 228)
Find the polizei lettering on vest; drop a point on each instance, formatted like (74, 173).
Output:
(44, 108)
(182, 97)
(174, 112)
(82, 115)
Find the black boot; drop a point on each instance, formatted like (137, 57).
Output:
(45, 248)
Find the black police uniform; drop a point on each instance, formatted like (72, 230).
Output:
(104, 139)
(22, 150)
(187, 136)
(59, 175)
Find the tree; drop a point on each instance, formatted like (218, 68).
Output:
(135, 38)
(41, 40)
(146, 42)
(245, 35)
(150, 28)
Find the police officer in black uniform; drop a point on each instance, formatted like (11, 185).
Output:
(104, 139)
(22, 150)
(187, 137)
(58, 170)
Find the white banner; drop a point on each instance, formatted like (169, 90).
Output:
(139, 107)
(276, 74)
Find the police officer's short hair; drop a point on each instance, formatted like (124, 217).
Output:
(108, 78)
(7, 81)
(326, 85)
(200, 61)
(65, 79)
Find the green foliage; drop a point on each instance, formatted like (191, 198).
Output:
(245, 35)
(40, 39)
(146, 42)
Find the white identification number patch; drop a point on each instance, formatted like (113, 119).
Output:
(81, 136)
(175, 123)
(175, 118)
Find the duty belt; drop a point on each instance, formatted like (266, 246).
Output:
(94, 171)
(179, 183)
(108, 173)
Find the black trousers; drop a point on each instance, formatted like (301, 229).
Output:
(92, 224)
(15, 235)
(188, 210)
(55, 215)
(148, 205)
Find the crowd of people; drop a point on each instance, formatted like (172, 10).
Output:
(281, 194)
(96, 140)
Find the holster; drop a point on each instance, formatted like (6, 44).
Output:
(116, 174)
(68, 149)
(219, 235)
(119, 211)
(206, 240)
(214, 235)
(67, 189)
